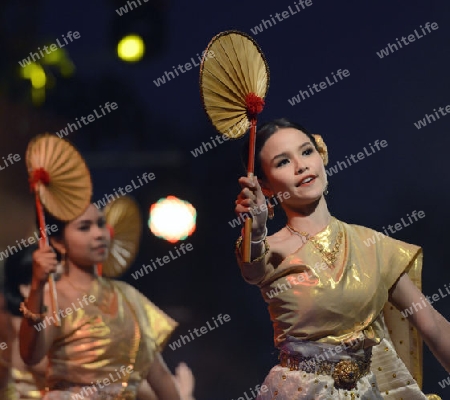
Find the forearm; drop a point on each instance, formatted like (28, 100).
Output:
(437, 340)
(161, 381)
(168, 389)
(32, 341)
(254, 271)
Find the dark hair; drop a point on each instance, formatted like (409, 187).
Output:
(50, 220)
(18, 271)
(263, 133)
(58, 233)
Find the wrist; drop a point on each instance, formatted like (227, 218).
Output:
(258, 234)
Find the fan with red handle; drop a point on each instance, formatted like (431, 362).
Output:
(61, 183)
(234, 79)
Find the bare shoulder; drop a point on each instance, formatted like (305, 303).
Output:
(278, 237)
(283, 243)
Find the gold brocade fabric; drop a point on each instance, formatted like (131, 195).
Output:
(25, 385)
(309, 300)
(347, 303)
(95, 342)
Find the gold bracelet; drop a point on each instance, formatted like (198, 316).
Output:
(261, 257)
(30, 315)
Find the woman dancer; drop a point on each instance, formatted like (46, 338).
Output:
(110, 336)
(325, 289)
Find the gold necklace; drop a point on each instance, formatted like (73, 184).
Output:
(329, 256)
(102, 294)
(78, 288)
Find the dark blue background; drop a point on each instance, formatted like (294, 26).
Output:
(381, 99)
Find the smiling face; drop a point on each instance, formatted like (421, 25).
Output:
(86, 239)
(292, 164)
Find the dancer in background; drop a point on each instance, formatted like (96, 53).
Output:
(17, 380)
(111, 335)
(325, 289)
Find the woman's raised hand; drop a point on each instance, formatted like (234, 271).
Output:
(44, 263)
(251, 200)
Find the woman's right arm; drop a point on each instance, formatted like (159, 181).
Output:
(36, 338)
(251, 198)
(161, 380)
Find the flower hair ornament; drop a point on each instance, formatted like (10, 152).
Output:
(321, 148)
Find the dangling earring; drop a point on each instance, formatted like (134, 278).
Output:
(270, 208)
(325, 192)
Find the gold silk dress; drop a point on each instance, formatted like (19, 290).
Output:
(26, 385)
(328, 318)
(99, 343)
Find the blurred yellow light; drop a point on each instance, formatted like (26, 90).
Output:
(172, 219)
(131, 48)
(38, 77)
(54, 57)
(26, 71)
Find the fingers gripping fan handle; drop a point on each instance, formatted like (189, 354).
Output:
(234, 79)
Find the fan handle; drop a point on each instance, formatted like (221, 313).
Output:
(51, 277)
(246, 242)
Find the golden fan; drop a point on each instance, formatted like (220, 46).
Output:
(234, 79)
(61, 182)
(125, 222)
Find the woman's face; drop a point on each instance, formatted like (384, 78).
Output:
(87, 238)
(292, 164)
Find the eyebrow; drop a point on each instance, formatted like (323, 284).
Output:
(84, 221)
(284, 154)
